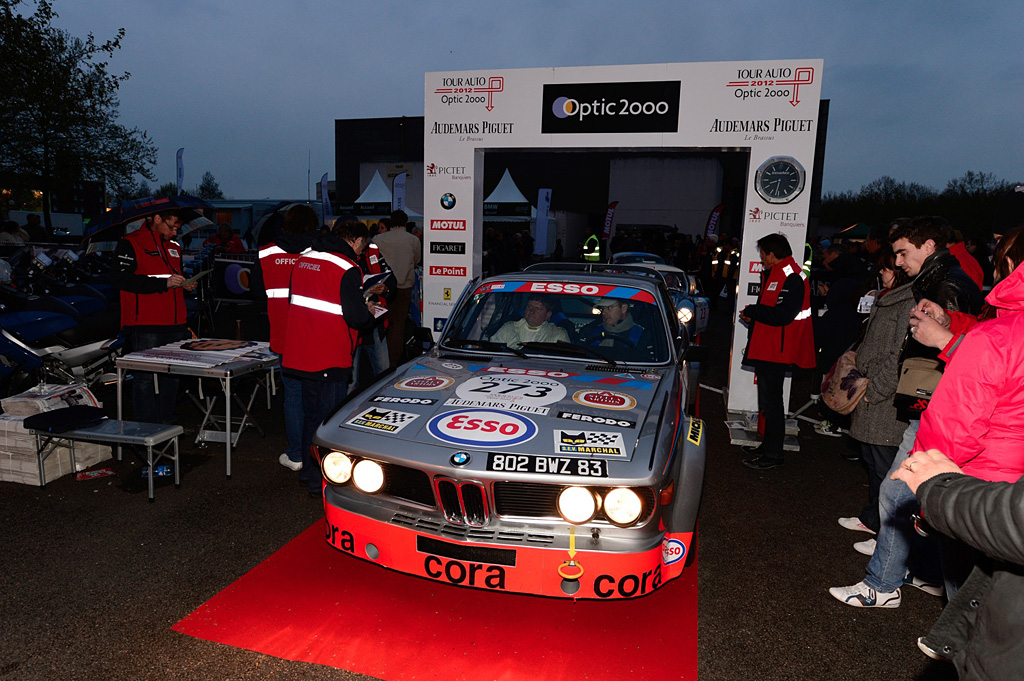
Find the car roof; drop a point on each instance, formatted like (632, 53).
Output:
(641, 276)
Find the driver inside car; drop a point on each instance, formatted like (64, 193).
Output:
(533, 327)
(616, 326)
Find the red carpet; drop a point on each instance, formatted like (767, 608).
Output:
(311, 603)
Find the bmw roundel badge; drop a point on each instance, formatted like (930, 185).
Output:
(460, 458)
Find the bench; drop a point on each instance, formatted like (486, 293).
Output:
(114, 432)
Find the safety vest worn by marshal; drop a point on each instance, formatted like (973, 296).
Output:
(276, 265)
(318, 337)
(592, 249)
(158, 259)
(794, 342)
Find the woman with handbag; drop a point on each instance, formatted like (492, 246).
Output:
(873, 421)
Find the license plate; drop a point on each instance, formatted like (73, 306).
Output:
(547, 465)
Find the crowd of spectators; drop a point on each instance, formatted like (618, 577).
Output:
(944, 483)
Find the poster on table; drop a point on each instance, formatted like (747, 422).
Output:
(769, 109)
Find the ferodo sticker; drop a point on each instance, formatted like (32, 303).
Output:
(604, 399)
(383, 420)
(402, 400)
(589, 442)
(526, 394)
(425, 383)
(603, 420)
(482, 428)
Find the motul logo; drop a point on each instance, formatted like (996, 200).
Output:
(448, 225)
(447, 271)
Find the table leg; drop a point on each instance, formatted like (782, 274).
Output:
(120, 372)
(149, 456)
(227, 423)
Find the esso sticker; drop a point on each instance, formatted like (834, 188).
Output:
(672, 551)
(502, 389)
(604, 399)
(425, 383)
(482, 428)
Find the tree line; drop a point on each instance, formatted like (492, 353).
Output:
(968, 202)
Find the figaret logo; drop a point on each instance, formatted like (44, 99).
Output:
(771, 83)
(459, 90)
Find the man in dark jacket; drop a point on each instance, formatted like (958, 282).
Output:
(982, 628)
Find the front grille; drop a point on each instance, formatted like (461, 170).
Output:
(540, 500)
(407, 483)
(462, 502)
(473, 534)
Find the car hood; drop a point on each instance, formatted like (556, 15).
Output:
(527, 407)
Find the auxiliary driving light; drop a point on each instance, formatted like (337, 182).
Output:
(577, 505)
(337, 468)
(623, 506)
(684, 314)
(368, 476)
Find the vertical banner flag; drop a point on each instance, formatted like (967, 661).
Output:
(711, 229)
(325, 201)
(398, 192)
(181, 168)
(608, 217)
(544, 238)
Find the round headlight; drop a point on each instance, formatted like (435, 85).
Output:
(577, 505)
(368, 476)
(684, 314)
(623, 506)
(337, 468)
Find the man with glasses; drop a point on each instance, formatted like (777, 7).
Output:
(147, 271)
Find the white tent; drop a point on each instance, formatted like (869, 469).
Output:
(507, 204)
(375, 201)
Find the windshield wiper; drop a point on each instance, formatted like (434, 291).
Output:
(486, 345)
(561, 347)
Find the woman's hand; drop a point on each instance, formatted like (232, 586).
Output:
(921, 466)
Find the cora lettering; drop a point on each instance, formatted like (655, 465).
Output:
(473, 574)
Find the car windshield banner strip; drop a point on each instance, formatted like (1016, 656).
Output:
(468, 554)
(602, 291)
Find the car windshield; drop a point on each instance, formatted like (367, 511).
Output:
(588, 322)
(627, 258)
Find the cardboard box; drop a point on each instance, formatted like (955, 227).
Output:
(18, 462)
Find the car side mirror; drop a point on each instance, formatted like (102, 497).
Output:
(696, 353)
(424, 338)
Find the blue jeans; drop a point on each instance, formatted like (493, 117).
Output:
(376, 349)
(319, 399)
(896, 535)
(293, 416)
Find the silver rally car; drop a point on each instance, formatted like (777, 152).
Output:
(544, 446)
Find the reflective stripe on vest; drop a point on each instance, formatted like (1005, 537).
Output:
(277, 293)
(314, 304)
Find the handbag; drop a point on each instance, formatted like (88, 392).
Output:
(844, 387)
(919, 377)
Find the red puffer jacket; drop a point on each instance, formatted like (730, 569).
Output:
(976, 416)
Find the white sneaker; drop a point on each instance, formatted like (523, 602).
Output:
(927, 587)
(828, 428)
(867, 547)
(855, 524)
(288, 463)
(860, 595)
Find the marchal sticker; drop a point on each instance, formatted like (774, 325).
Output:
(590, 443)
(425, 383)
(604, 399)
(482, 428)
(383, 420)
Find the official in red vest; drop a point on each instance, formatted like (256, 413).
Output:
(272, 281)
(147, 270)
(325, 315)
(781, 336)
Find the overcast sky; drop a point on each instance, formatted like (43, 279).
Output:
(921, 91)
